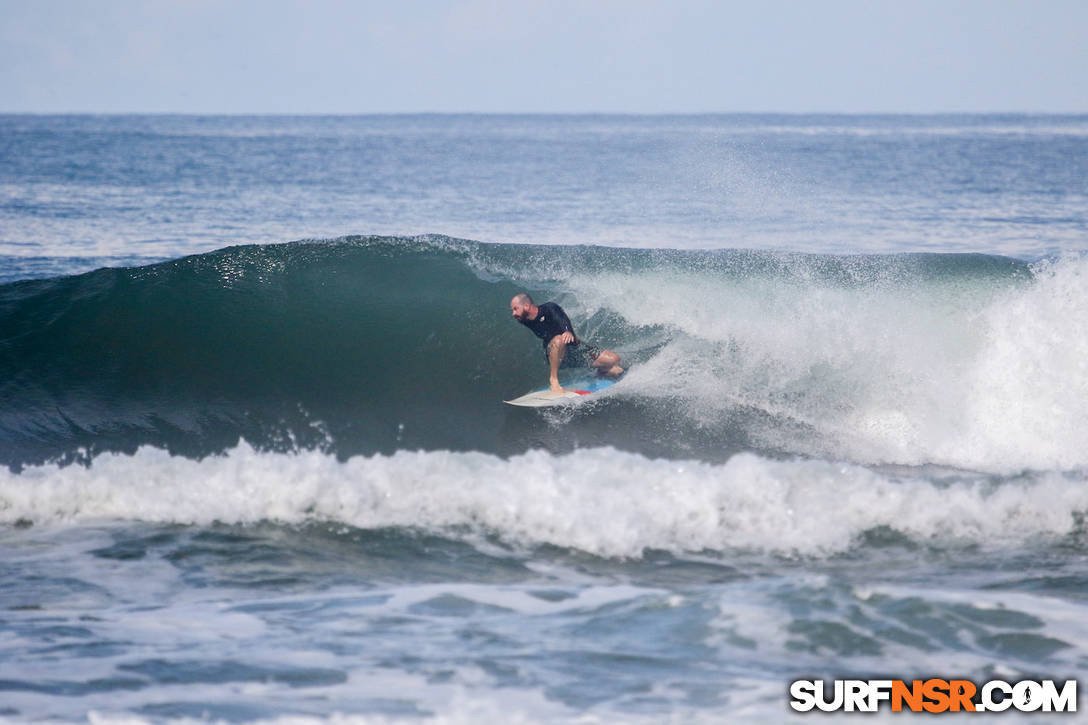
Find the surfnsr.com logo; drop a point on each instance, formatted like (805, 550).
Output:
(933, 695)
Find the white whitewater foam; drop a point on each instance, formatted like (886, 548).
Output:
(1026, 400)
(970, 373)
(600, 501)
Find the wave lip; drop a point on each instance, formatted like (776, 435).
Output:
(601, 501)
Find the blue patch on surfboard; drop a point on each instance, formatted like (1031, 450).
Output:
(572, 390)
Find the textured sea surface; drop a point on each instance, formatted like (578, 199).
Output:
(255, 464)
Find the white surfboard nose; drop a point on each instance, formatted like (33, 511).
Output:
(543, 398)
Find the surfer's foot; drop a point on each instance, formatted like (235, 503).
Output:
(613, 372)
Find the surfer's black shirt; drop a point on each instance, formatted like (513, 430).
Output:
(550, 321)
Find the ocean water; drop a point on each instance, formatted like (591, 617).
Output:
(256, 467)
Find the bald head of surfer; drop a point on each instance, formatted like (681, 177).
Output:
(522, 307)
(550, 323)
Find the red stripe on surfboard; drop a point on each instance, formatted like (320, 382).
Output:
(583, 392)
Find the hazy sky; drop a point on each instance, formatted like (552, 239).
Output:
(336, 56)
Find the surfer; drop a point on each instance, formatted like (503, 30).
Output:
(562, 348)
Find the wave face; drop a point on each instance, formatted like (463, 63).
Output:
(373, 345)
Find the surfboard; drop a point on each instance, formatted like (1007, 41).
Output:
(574, 389)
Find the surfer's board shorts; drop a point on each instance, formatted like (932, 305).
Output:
(579, 355)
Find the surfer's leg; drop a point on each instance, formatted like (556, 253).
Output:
(608, 363)
(556, 350)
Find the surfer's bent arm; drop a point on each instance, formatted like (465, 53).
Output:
(567, 337)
